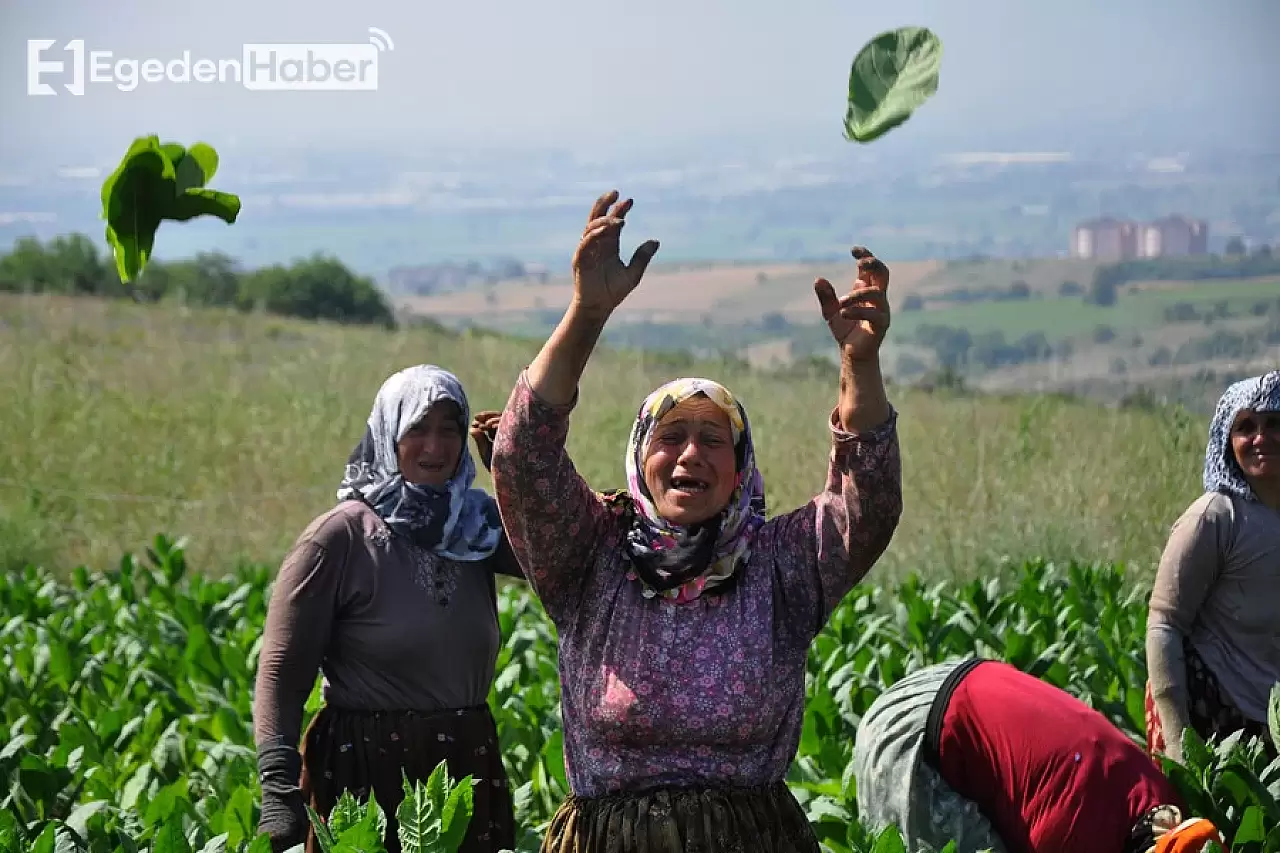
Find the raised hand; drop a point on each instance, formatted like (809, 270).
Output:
(600, 280)
(859, 321)
(484, 429)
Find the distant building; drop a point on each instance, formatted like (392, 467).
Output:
(1106, 239)
(1173, 236)
(1110, 239)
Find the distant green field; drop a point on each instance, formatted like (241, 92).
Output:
(1068, 317)
(233, 429)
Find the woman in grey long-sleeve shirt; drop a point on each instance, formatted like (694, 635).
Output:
(391, 594)
(1213, 624)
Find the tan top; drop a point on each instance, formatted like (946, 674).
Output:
(1219, 584)
(390, 625)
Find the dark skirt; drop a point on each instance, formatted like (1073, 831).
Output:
(359, 750)
(766, 819)
(1209, 711)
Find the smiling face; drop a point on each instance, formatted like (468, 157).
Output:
(1255, 441)
(430, 450)
(691, 466)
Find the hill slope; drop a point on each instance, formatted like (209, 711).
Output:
(233, 430)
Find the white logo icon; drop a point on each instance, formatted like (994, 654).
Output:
(259, 67)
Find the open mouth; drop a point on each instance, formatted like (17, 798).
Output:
(432, 467)
(689, 485)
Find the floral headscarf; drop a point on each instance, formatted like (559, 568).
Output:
(682, 563)
(1163, 830)
(1221, 470)
(455, 521)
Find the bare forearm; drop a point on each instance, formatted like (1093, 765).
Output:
(864, 402)
(555, 373)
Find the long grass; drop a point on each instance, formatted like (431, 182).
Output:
(120, 421)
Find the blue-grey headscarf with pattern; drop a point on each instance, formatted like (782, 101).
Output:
(1221, 470)
(455, 521)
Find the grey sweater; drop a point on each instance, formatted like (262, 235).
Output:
(1219, 584)
(390, 625)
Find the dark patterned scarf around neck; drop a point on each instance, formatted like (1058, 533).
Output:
(682, 563)
(1221, 470)
(455, 521)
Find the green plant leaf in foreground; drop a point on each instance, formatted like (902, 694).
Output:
(892, 75)
(148, 676)
(1273, 714)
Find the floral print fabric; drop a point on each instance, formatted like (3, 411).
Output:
(706, 692)
(671, 560)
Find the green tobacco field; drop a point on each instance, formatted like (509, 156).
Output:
(1029, 532)
(127, 696)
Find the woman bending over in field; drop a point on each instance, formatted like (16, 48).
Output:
(1213, 627)
(391, 594)
(684, 617)
(977, 752)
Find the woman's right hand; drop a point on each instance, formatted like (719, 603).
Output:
(283, 815)
(600, 280)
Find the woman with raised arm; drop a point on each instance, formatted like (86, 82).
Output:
(391, 594)
(684, 616)
(1213, 621)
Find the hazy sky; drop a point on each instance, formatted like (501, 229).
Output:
(584, 74)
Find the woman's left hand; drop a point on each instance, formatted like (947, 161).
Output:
(859, 321)
(484, 429)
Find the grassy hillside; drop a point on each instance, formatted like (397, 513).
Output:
(124, 421)
(1139, 307)
(1003, 323)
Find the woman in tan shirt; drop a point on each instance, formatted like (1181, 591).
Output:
(1213, 625)
(391, 595)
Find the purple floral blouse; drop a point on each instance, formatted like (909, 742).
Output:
(710, 691)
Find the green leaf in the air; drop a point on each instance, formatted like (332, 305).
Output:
(892, 75)
(202, 202)
(137, 195)
(196, 166)
(155, 182)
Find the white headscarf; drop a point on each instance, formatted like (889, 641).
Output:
(454, 521)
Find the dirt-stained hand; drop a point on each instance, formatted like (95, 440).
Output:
(600, 280)
(859, 320)
(484, 431)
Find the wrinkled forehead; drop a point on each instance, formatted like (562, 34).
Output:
(415, 402)
(697, 411)
(1248, 414)
(442, 408)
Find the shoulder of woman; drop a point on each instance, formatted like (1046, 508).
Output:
(1210, 516)
(1214, 508)
(338, 528)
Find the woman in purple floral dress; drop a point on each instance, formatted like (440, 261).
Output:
(684, 617)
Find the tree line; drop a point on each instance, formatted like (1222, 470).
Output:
(1109, 278)
(314, 288)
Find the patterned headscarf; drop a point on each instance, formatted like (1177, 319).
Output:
(455, 521)
(1163, 830)
(681, 563)
(1221, 470)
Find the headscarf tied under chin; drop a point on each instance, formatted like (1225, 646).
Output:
(681, 563)
(454, 521)
(1221, 470)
